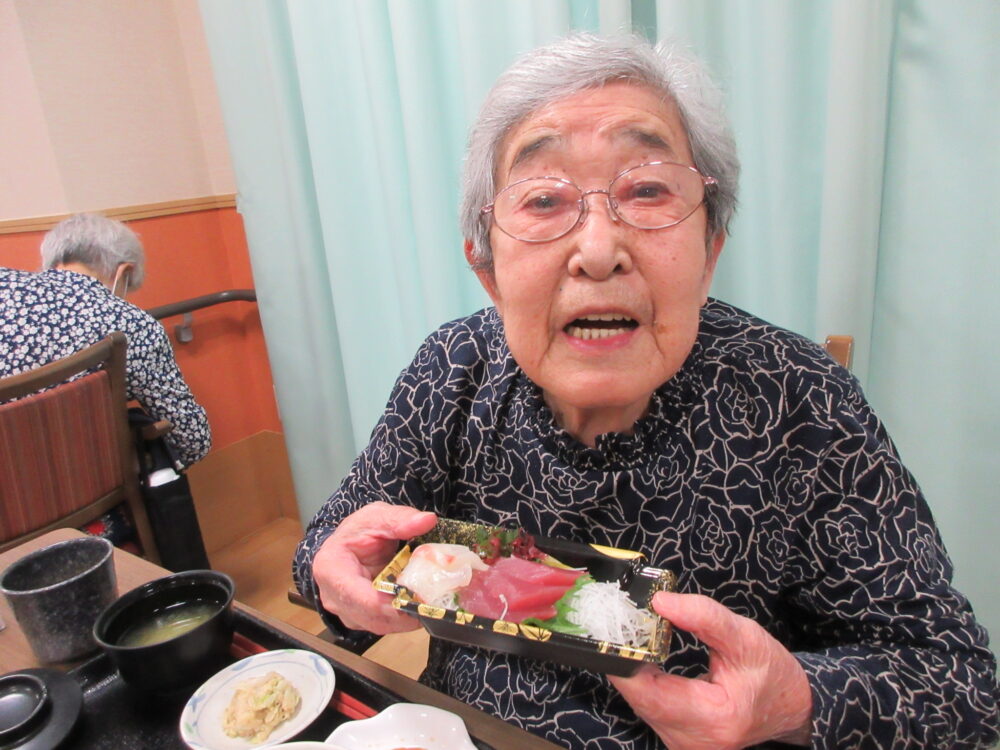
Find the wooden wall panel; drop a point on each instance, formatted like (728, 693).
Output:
(242, 488)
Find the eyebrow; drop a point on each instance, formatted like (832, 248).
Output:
(647, 138)
(533, 147)
(637, 135)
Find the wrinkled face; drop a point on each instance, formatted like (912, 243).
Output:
(603, 316)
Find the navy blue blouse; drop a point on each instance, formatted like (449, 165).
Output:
(760, 476)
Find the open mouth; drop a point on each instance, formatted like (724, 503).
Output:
(602, 326)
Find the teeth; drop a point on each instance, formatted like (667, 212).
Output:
(591, 332)
(595, 333)
(606, 317)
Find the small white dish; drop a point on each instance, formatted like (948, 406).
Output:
(311, 674)
(404, 725)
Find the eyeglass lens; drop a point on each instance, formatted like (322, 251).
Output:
(650, 196)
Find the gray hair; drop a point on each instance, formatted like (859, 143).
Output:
(582, 61)
(99, 243)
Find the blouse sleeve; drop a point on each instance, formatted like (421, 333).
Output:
(155, 381)
(405, 462)
(893, 652)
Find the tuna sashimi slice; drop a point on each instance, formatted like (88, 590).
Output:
(520, 615)
(488, 599)
(481, 603)
(525, 597)
(514, 592)
(536, 573)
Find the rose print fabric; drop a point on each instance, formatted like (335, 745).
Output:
(760, 476)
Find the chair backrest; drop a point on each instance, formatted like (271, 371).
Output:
(841, 348)
(66, 449)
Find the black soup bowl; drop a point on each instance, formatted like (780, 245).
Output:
(172, 633)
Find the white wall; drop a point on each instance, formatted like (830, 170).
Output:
(106, 103)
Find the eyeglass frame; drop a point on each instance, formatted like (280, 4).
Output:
(706, 182)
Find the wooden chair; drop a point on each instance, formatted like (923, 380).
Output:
(66, 452)
(841, 348)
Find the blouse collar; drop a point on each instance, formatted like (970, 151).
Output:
(668, 408)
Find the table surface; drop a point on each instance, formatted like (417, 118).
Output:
(16, 654)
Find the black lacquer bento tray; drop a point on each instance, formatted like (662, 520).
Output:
(626, 567)
(117, 717)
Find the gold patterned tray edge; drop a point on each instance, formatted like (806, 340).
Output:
(662, 580)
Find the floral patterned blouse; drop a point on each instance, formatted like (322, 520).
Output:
(760, 476)
(48, 315)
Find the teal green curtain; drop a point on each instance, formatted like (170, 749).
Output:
(868, 138)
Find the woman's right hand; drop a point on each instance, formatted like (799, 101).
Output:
(355, 553)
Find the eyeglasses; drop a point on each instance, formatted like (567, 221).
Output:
(656, 195)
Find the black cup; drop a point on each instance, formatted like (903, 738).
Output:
(180, 662)
(58, 592)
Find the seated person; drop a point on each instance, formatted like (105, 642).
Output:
(89, 264)
(606, 398)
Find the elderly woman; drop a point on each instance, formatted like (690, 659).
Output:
(90, 263)
(605, 398)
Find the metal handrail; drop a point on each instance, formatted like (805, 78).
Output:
(187, 306)
(206, 300)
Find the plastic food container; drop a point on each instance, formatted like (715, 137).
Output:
(626, 567)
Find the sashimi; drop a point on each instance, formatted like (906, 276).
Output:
(490, 603)
(480, 602)
(504, 576)
(513, 589)
(488, 599)
(537, 573)
(436, 571)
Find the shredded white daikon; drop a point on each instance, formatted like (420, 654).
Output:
(607, 613)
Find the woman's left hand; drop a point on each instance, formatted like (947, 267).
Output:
(755, 689)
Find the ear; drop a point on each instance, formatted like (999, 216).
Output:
(121, 282)
(486, 277)
(714, 251)
(467, 247)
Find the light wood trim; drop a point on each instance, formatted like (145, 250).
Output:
(125, 213)
(241, 488)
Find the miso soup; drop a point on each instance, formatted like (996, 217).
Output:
(168, 623)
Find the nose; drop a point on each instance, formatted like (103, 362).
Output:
(600, 241)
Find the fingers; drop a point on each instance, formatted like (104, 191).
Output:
(712, 623)
(362, 545)
(388, 521)
(754, 689)
(346, 590)
(419, 523)
(645, 691)
(383, 624)
(685, 713)
(372, 534)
